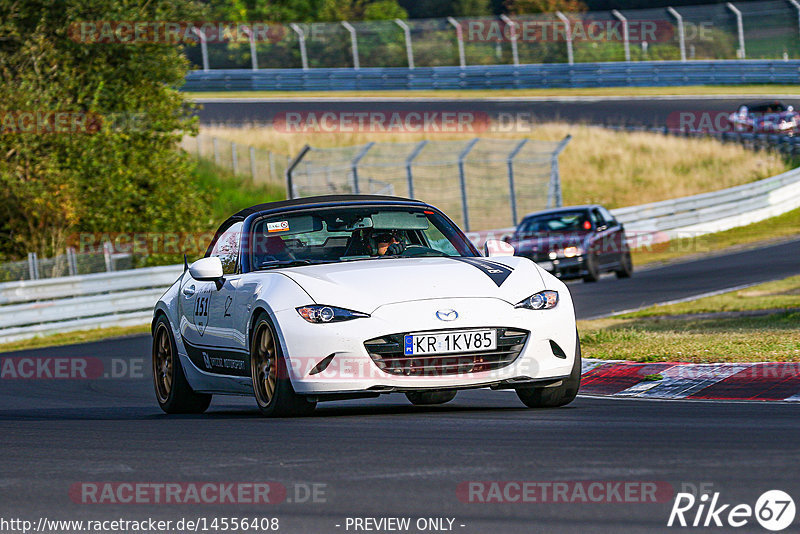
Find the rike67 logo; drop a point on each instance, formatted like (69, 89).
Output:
(774, 510)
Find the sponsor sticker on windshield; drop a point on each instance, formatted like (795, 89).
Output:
(280, 226)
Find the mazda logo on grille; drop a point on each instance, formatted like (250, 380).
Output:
(447, 315)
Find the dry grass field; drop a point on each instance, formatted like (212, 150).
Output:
(612, 168)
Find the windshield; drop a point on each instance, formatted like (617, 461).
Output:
(348, 233)
(774, 107)
(562, 221)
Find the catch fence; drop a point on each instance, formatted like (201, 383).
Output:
(481, 183)
(741, 30)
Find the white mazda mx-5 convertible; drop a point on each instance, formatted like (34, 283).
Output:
(341, 297)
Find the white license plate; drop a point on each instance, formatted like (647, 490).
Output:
(449, 342)
(546, 265)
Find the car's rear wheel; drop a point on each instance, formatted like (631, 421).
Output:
(552, 397)
(272, 387)
(426, 398)
(173, 392)
(626, 266)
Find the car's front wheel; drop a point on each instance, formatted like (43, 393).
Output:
(272, 387)
(592, 269)
(173, 392)
(552, 397)
(426, 398)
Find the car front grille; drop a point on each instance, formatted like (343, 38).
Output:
(387, 353)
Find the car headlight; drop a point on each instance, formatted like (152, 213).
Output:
(543, 300)
(571, 252)
(328, 314)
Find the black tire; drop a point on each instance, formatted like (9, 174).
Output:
(553, 397)
(173, 392)
(592, 270)
(427, 398)
(626, 266)
(272, 386)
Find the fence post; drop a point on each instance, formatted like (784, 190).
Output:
(252, 38)
(739, 29)
(681, 34)
(353, 43)
(409, 44)
(796, 5)
(409, 161)
(555, 178)
(463, 181)
(253, 164)
(292, 163)
(354, 164)
(462, 59)
(234, 159)
(107, 249)
(301, 39)
(626, 42)
(203, 46)
(511, 189)
(72, 262)
(33, 266)
(514, 37)
(215, 142)
(272, 172)
(563, 18)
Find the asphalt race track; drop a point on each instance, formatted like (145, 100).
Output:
(384, 457)
(637, 111)
(678, 281)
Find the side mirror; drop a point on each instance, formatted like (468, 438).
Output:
(206, 269)
(495, 247)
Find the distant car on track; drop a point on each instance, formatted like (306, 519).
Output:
(574, 242)
(773, 117)
(338, 297)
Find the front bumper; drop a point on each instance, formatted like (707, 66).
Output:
(561, 267)
(351, 369)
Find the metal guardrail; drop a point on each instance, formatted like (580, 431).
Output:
(41, 307)
(643, 74)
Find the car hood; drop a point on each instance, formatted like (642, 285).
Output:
(366, 285)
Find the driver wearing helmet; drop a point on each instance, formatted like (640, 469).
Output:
(388, 243)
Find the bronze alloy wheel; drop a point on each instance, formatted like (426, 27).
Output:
(264, 363)
(163, 363)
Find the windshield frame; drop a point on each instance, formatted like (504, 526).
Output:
(246, 254)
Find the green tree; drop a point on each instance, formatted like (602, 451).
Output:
(472, 8)
(126, 177)
(523, 7)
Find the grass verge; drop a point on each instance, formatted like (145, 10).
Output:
(678, 332)
(71, 338)
(228, 193)
(479, 93)
(769, 230)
